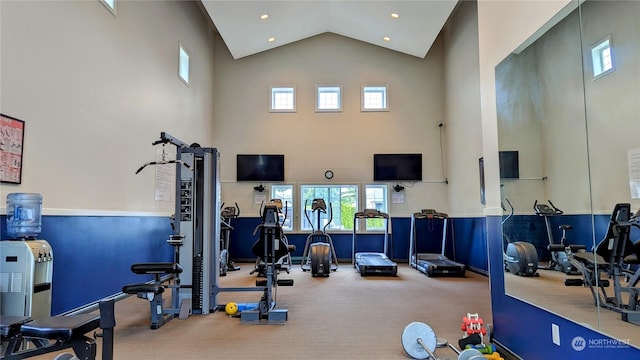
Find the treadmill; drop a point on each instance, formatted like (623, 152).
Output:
(432, 264)
(373, 263)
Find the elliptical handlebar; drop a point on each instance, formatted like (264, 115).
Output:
(558, 211)
(306, 214)
(229, 212)
(324, 229)
(635, 218)
(546, 210)
(511, 210)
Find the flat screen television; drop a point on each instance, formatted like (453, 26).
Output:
(397, 167)
(259, 167)
(509, 165)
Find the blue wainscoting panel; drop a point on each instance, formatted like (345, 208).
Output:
(466, 240)
(399, 241)
(526, 329)
(470, 239)
(92, 255)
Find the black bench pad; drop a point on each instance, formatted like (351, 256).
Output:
(156, 268)
(61, 327)
(10, 325)
(143, 288)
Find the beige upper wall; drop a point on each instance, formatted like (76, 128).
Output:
(344, 142)
(566, 104)
(94, 100)
(96, 90)
(462, 102)
(518, 21)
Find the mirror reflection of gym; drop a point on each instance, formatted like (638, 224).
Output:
(572, 128)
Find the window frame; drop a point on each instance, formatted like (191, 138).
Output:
(360, 203)
(273, 91)
(363, 101)
(328, 87)
(302, 218)
(184, 65)
(385, 206)
(289, 203)
(597, 58)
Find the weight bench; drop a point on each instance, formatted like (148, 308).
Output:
(51, 334)
(153, 291)
(613, 257)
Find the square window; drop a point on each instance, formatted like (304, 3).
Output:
(283, 99)
(183, 65)
(602, 58)
(328, 98)
(374, 98)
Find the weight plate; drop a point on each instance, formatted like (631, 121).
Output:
(410, 336)
(469, 354)
(441, 342)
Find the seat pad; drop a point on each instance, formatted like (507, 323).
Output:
(143, 288)
(61, 327)
(156, 268)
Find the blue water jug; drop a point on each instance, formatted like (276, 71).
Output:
(24, 215)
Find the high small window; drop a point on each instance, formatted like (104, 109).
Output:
(283, 99)
(109, 4)
(328, 98)
(183, 65)
(602, 58)
(374, 98)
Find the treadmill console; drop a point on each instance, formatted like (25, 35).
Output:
(431, 214)
(371, 213)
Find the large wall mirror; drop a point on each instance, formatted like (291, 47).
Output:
(568, 102)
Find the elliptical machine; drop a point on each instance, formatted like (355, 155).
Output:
(520, 257)
(561, 253)
(319, 255)
(226, 214)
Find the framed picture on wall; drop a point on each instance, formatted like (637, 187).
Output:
(11, 146)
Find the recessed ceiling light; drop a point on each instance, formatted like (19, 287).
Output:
(264, 16)
(386, 38)
(394, 15)
(271, 39)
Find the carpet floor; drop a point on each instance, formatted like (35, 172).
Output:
(344, 316)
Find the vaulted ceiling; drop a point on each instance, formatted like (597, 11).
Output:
(250, 27)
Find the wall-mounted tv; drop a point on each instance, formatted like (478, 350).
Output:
(397, 167)
(509, 165)
(259, 167)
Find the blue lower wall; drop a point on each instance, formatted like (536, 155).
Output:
(526, 329)
(93, 254)
(465, 240)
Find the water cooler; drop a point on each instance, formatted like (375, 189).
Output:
(26, 264)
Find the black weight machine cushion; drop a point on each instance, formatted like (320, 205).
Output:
(10, 325)
(62, 328)
(156, 268)
(143, 288)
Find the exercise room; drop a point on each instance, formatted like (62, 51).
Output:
(320, 179)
